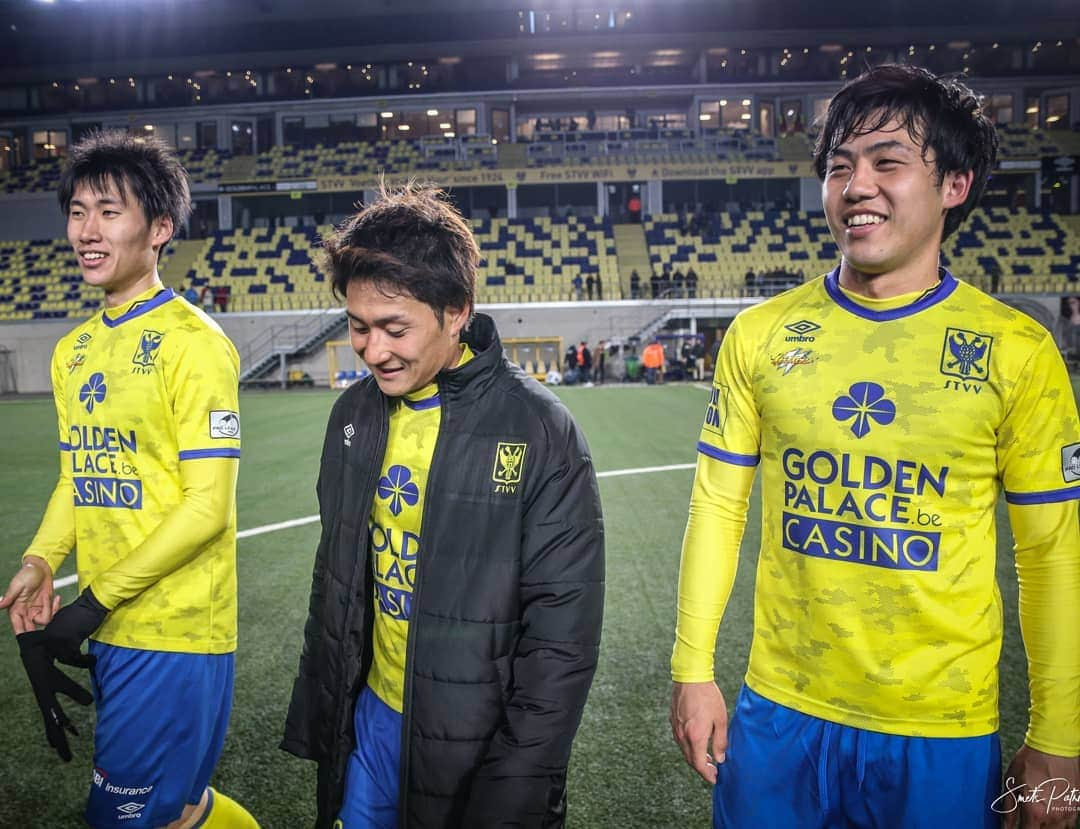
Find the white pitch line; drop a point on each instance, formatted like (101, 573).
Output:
(311, 519)
(614, 473)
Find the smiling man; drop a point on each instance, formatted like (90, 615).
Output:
(456, 602)
(146, 403)
(888, 404)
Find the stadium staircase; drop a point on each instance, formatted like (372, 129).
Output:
(274, 348)
(646, 334)
(183, 255)
(632, 254)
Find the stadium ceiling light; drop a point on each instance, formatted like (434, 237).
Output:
(746, 102)
(445, 125)
(432, 112)
(745, 116)
(1032, 110)
(404, 127)
(386, 115)
(723, 102)
(704, 117)
(448, 134)
(1053, 119)
(148, 127)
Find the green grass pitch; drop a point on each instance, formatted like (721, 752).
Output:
(625, 771)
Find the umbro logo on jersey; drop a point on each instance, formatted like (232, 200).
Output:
(801, 331)
(349, 432)
(130, 810)
(83, 341)
(1070, 462)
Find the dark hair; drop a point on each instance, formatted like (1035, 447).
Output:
(940, 114)
(144, 167)
(410, 240)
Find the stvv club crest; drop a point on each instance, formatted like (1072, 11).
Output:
(509, 463)
(966, 354)
(148, 346)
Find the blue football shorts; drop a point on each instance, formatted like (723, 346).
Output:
(161, 722)
(372, 777)
(785, 768)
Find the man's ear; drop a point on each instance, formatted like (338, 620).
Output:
(457, 319)
(161, 231)
(955, 187)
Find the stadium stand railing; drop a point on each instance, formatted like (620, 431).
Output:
(538, 259)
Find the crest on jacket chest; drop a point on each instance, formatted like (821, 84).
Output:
(509, 466)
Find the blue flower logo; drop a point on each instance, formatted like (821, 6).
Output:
(93, 391)
(397, 485)
(864, 402)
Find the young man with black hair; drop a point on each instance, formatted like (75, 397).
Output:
(146, 400)
(888, 404)
(457, 596)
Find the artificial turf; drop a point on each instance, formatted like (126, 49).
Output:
(625, 770)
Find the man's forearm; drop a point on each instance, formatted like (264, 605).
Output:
(55, 536)
(205, 511)
(710, 557)
(1048, 568)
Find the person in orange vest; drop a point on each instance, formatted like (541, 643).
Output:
(653, 360)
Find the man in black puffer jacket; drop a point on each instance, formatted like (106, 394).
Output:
(457, 597)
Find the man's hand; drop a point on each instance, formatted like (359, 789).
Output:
(699, 723)
(29, 596)
(61, 640)
(1036, 789)
(47, 681)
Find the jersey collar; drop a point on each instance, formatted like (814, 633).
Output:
(139, 308)
(941, 292)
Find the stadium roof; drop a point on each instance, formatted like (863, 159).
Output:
(40, 38)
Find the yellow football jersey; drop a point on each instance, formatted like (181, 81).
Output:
(139, 391)
(884, 436)
(394, 532)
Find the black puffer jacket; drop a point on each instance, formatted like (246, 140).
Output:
(507, 602)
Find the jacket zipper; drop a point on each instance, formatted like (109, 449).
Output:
(354, 587)
(410, 643)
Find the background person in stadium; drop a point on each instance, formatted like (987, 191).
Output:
(871, 693)
(652, 358)
(1069, 328)
(146, 399)
(475, 543)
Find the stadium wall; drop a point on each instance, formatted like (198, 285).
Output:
(31, 216)
(31, 343)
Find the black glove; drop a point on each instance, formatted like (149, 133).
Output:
(71, 626)
(61, 639)
(47, 681)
